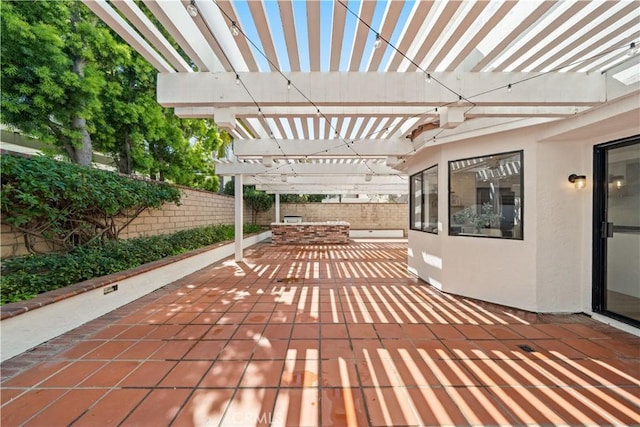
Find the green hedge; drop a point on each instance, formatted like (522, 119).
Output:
(25, 277)
(71, 205)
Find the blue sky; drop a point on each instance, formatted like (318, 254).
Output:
(272, 13)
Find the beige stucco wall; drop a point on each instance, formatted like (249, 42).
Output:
(360, 216)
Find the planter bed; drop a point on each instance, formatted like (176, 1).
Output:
(26, 324)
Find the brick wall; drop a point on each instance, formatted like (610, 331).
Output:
(197, 209)
(360, 216)
(310, 234)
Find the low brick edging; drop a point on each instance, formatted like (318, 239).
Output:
(50, 297)
(30, 323)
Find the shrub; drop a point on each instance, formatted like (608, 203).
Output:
(25, 277)
(70, 205)
(257, 200)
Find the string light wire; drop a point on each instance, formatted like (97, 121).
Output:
(379, 39)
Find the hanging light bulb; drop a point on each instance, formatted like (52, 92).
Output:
(509, 88)
(317, 112)
(633, 49)
(192, 9)
(235, 31)
(428, 78)
(237, 80)
(288, 84)
(378, 42)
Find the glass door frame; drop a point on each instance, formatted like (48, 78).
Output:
(600, 198)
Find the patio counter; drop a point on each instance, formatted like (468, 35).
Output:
(310, 233)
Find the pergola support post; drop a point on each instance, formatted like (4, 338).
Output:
(238, 217)
(277, 219)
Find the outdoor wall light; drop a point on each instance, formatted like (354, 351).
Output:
(579, 181)
(617, 181)
(192, 9)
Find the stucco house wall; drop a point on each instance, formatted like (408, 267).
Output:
(550, 269)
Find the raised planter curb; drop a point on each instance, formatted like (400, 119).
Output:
(26, 324)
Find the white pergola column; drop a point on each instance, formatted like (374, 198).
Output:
(238, 217)
(277, 207)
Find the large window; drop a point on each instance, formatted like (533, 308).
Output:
(485, 196)
(424, 200)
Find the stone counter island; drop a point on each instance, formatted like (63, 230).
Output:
(310, 233)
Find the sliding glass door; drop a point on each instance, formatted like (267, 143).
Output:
(617, 230)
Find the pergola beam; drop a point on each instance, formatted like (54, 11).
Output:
(332, 180)
(381, 111)
(377, 148)
(316, 169)
(379, 89)
(110, 17)
(365, 188)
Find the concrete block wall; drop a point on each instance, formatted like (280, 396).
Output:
(360, 216)
(198, 208)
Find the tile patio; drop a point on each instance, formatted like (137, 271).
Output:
(323, 335)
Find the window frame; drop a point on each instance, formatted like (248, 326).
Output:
(424, 225)
(520, 153)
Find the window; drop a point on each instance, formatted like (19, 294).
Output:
(485, 196)
(424, 200)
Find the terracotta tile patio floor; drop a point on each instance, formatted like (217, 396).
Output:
(323, 335)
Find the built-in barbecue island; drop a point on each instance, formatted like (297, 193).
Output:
(294, 232)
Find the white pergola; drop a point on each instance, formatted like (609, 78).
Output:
(333, 96)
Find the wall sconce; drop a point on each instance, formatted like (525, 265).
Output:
(579, 181)
(617, 181)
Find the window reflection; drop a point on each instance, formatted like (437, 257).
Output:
(424, 200)
(485, 196)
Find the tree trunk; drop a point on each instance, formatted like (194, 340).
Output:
(82, 153)
(125, 157)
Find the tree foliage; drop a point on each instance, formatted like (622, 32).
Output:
(70, 205)
(257, 200)
(68, 80)
(49, 83)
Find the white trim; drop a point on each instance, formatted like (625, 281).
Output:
(616, 324)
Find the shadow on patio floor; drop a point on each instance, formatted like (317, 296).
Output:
(323, 335)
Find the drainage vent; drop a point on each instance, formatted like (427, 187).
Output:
(526, 349)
